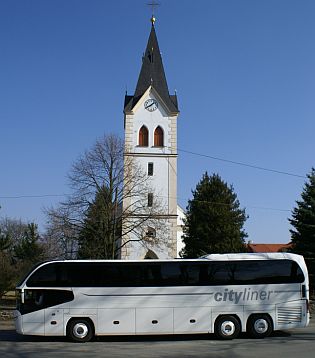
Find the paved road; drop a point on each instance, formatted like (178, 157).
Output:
(297, 343)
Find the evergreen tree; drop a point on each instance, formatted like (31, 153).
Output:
(5, 241)
(7, 270)
(214, 222)
(20, 249)
(303, 221)
(101, 228)
(29, 248)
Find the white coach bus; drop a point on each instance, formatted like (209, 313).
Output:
(222, 294)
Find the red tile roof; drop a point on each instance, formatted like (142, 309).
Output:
(269, 247)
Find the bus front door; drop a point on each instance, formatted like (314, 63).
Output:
(54, 322)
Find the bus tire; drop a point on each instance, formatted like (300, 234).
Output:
(80, 330)
(227, 327)
(259, 325)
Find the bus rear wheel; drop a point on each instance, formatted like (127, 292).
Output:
(259, 326)
(80, 330)
(227, 327)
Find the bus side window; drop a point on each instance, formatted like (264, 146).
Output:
(129, 274)
(203, 275)
(296, 273)
(39, 298)
(219, 273)
(193, 274)
(171, 274)
(184, 275)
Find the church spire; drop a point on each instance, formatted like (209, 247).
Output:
(152, 74)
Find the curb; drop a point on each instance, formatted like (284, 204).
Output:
(7, 325)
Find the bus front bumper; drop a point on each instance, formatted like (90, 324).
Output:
(18, 321)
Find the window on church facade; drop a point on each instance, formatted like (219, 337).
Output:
(143, 137)
(158, 137)
(150, 200)
(150, 169)
(151, 232)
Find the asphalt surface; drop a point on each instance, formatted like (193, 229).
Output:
(294, 343)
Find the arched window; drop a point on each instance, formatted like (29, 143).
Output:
(143, 137)
(150, 255)
(158, 137)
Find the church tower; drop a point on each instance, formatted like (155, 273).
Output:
(150, 124)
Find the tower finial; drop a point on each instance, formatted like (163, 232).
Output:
(153, 4)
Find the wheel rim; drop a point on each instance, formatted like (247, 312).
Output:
(261, 326)
(227, 328)
(80, 330)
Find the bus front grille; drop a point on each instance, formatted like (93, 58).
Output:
(287, 315)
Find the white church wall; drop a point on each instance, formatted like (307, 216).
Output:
(180, 223)
(138, 249)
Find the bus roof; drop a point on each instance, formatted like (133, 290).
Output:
(210, 257)
(251, 256)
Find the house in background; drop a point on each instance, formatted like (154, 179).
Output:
(257, 248)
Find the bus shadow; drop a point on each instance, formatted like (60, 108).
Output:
(182, 337)
(155, 338)
(280, 334)
(12, 336)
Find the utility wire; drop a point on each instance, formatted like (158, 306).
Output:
(227, 204)
(242, 164)
(193, 153)
(31, 196)
(159, 196)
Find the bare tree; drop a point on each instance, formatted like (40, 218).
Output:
(14, 228)
(103, 177)
(60, 238)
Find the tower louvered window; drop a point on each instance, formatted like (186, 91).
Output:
(158, 137)
(150, 200)
(143, 137)
(150, 169)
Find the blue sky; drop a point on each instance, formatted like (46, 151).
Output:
(244, 71)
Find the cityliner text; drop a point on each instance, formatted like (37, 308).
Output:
(244, 295)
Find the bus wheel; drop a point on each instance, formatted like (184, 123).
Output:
(259, 326)
(80, 330)
(227, 327)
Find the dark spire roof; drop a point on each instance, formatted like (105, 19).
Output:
(152, 74)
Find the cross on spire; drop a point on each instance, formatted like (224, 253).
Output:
(153, 4)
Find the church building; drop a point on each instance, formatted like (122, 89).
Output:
(150, 125)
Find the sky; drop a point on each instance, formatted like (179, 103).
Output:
(244, 72)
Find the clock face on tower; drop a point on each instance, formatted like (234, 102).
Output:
(151, 105)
